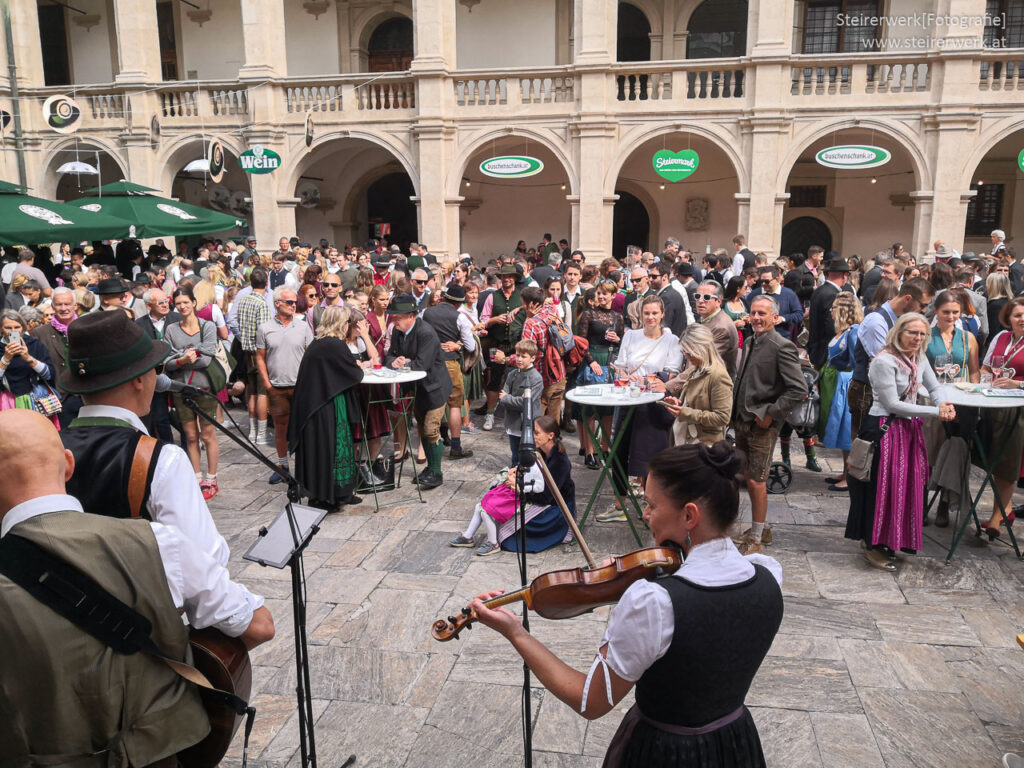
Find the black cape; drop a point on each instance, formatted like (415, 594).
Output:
(328, 369)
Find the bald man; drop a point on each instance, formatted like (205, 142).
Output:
(69, 694)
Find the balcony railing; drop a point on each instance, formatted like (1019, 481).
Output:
(1001, 72)
(489, 89)
(714, 83)
(363, 92)
(207, 100)
(838, 75)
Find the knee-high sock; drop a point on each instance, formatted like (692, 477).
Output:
(479, 516)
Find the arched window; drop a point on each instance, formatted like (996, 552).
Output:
(390, 47)
(717, 29)
(634, 39)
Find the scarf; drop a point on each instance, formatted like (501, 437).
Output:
(910, 366)
(59, 326)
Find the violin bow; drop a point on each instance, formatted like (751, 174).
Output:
(565, 511)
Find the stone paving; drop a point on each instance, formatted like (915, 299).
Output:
(916, 668)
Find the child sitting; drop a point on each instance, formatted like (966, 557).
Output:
(524, 376)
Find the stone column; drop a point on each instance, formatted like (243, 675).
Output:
(27, 51)
(761, 207)
(595, 132)
(263, 39)
(138, 43)
(946, 136)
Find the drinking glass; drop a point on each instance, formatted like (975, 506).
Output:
(942, 365)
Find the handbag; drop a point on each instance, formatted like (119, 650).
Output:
(862, 456)
(45, 399)
(499, 503)
(587, 376)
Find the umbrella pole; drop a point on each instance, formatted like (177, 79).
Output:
(12, 68)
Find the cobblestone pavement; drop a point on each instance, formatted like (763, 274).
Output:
(916, 668)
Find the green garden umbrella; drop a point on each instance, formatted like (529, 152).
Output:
(26, 219)
(155, 216)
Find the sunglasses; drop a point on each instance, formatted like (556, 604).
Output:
(421, 282)
(289, 302)
(705, 296)
(332, 285)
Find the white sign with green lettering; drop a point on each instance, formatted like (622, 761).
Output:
(259, 160)
(853, 157)
(511, 167)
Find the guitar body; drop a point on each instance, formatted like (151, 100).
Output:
(225, 662)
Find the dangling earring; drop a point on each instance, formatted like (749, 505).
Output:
(687, 543)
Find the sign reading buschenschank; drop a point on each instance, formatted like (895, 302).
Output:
(511, 167)
(853, 156)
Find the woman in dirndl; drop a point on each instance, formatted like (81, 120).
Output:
(473, 378)
(886, 512)
(25, 365)
(371, 400)
(834, 420)
(689, 643)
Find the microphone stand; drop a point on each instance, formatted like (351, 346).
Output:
(527, 457)
(303, 692)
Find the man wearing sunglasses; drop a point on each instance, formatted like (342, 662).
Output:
(709, 309)
(280, 345)
(791, 311)
(420, 292)
(641, 288)
(332, 298)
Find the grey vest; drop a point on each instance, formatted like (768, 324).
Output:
(72, 695)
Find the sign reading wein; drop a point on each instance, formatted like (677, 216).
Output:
(511, 167)
(259, 160)
(852, 157)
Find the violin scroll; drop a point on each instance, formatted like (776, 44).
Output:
(449, 629)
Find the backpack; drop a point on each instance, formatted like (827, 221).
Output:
(806, 413)
(560, 336)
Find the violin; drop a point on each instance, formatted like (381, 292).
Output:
(572, 592)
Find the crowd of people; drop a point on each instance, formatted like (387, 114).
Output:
(740, 345)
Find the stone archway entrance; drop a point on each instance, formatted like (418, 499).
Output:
(631, 224)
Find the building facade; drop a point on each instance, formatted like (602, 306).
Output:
(405, 101)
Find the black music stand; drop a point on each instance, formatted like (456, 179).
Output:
(277, 546)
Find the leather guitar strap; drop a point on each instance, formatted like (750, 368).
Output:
(139, 474)
(91, 608)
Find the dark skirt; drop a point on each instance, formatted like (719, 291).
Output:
(377, 423)
(860, 521)
(735, 745)
(647, 433)
(546, 530)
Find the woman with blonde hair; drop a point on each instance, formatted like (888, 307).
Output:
(835, 419)
(701, 395)
(324, 412)
(886, 511)
(85, 300)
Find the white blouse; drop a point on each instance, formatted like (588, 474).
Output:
(642, 624)
(643, 356)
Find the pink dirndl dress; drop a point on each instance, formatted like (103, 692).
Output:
(902, 478)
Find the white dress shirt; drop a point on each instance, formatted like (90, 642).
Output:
(174, 496)
(198, 585)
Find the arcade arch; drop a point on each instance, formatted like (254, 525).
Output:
(998, 180)
(68, 186)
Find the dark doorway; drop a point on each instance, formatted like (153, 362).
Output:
(717, 29)
(387, 201)
(390, 48)
(800, 234)
(634, 43)
(53, 45)
(631, 224)
(168, 40)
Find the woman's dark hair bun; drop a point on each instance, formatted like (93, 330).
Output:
(726, 460)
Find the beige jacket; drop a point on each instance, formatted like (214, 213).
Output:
(707, 406)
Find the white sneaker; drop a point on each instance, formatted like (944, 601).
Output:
(611, 516)
(265, 439)
(488, 422)
(252, 434)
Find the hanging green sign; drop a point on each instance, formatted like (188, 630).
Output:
(1020, 160)
(259, 160)
(675, 166)
(852, 157)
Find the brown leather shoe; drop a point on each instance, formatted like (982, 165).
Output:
(878, 559)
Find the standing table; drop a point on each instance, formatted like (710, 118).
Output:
(589, 398)
(387, 377)
(976, 399)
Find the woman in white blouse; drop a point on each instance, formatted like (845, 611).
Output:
(690, 685)
(650, 354)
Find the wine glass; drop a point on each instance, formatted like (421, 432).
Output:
(942, 364)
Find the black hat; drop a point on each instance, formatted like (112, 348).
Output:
(402, 304)
(969, 256)
(111, 286)
(106, 349)
(144, 278)
(837, 264)
(508, 269)
(454, 292)
(684, 268)
(162, 263)
(380, 260)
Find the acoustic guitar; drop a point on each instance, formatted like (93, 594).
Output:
(225, 662)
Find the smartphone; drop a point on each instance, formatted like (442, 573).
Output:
(14, 337)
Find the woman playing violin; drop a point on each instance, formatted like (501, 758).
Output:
(690, 685)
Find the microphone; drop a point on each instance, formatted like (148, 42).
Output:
(165, 383)
(527, 447)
